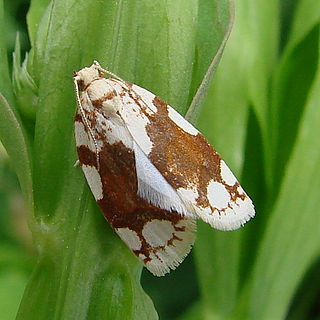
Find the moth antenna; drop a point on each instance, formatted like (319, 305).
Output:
(105, 71)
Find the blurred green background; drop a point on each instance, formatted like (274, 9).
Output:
(16, 248)
(262, 114)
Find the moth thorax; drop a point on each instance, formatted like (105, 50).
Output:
(99, 91)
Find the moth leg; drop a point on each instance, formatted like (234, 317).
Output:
(76, 164)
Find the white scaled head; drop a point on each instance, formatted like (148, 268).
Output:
(89, 74)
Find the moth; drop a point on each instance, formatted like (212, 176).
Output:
(151, 172)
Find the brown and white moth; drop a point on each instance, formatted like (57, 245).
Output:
(151, 172)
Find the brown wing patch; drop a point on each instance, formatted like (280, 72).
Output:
(124, 209)
(182, 158)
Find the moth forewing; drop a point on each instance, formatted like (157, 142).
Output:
(151, 172)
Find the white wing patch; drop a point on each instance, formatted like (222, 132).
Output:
(82, 138)
(222, 212)
(166, 243)
(226, 174)
(157, 232)
(218, 195)
(129, 237)
(169, 246)
(94, 181)
(233, 217)
(181, 122)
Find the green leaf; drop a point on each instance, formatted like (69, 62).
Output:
(305, 300)
(240, 82)
(193, 312)
(291, 240)
(218, 16)
(12, 131)
(292, 81)
(35, 13)
(25, 90)
(12, 283)
(5, 83)
(15, 267)
(260, 35)
(14, 138)
(306, 18)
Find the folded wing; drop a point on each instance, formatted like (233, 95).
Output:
(200, 182)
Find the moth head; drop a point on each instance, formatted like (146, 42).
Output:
(86, 75)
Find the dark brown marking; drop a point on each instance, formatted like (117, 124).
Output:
(86, 156)
(182, 158)
(121, 205)
(78, 117)
(234, 193)
(81, 85)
